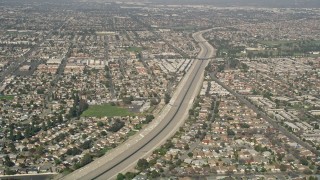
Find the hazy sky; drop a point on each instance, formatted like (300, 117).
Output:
(223, 3)
(264, 3)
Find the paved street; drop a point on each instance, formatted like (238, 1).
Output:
(266, 117)
(13, 68)
(159, 90)
(125, 156)
(43, 176)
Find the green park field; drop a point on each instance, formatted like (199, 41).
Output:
(105, 110)
(7, 97)
(135, 49)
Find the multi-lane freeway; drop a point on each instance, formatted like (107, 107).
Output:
(168, 123)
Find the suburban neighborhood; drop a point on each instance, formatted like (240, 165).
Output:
(80, 79)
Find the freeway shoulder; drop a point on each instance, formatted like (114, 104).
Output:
(124, 157)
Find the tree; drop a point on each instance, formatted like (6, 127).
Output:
(230, 132)
(12, 147)
(100, 124)
(120, 176)
(27, 132)
(142, 164)
(267, 94)
(313, 178)
(50, 124)
(154, 174)
(84, 136)
(190, 154)
(283, 167)
(186, 147)
(130, 175)
(245, 67)
(152, 162)
(154, 101)
(307, 171)
(60, 118)
(254, 92)
(83, 105)
(57, 161)
(86, 144)
(168, 144)
(11, 136)
(103, 133)
(167, 98)
(126, 100)
(19, 136)
(204, 126)
(191, 112)
(116, 126)
(87, 158)
(72, 112)
(9, 172)
(220, 67)
(149, 118)
(8, 162)
(230, 118)
(22, 165)
(77, 165)
(244, 125)
(233, 63)
(44, 127)
(258, 148)
(73, 151)
(40, 150)
(304, 162)
(178, 162)
(40, 91)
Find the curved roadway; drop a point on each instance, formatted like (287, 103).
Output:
(168, 123)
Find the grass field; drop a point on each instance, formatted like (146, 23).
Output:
(186, 28)
(286, 42)
(277, 43)
(135, 49)
(7, 97)
(105, 110)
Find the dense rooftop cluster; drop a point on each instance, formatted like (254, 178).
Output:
(78, 79)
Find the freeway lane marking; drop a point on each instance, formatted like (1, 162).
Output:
(190, 73)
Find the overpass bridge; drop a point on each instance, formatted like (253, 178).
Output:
(204, 58)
